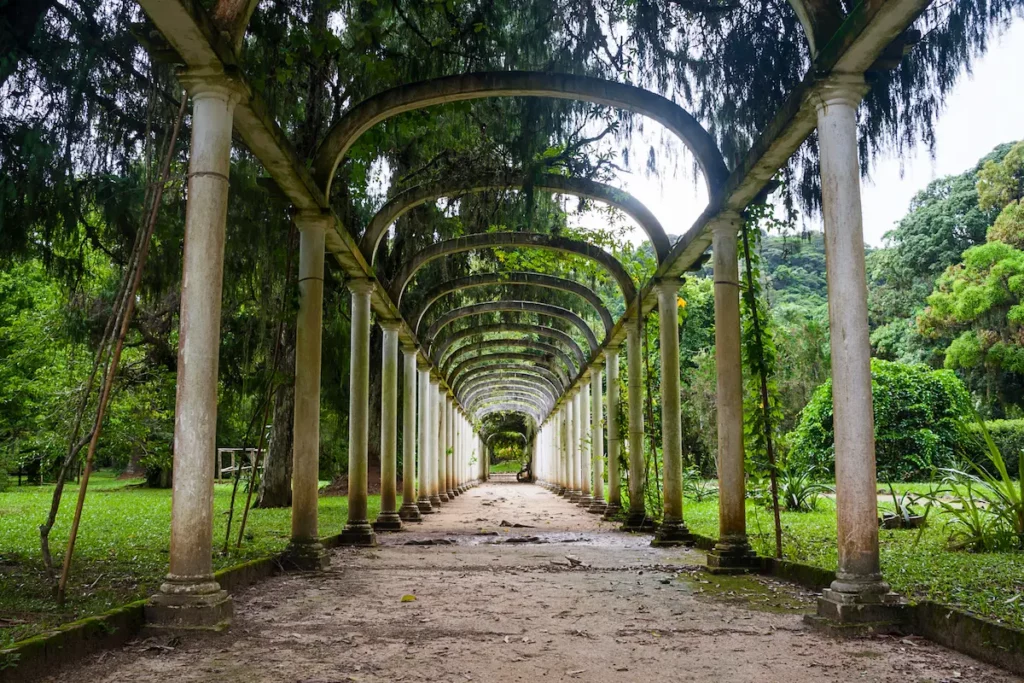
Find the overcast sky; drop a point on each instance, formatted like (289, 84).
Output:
(985, 108)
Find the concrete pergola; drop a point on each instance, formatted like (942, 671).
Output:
(444, 411)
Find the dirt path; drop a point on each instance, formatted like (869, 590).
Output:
(575, 601)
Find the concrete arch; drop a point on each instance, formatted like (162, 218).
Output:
(505, 306)
(546, 349)
(509, 395)
(524, 360)
(578, 187)
(821, 20)
(540, 407)
(527, 409)
(514, 279)
(499, 328)
(508, 379)
(486, 240)
(547, 361)
(412, 96)
(489, 372)
(507, 385)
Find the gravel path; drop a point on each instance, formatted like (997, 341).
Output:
(573, 599)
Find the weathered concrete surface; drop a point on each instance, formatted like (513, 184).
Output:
(586, 603)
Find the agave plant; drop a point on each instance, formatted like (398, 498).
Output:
(697, 487)
(799, 491)
(985, 510)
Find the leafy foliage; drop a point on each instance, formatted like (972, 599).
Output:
(918, 424)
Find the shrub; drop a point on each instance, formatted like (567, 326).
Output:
(1007, 435)
(918, 427)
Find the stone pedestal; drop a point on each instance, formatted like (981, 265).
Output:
(858, 614)
(410, 512)
(388, 521)
(359, 534)
(637, 521)
(598, 507)
(308, 556)
(611, 511)
(172, 612)
(732, 558)
(672, 532)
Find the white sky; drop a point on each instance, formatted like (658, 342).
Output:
(985, 108)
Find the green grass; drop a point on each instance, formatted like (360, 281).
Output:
(988, 584)
(122, 546)
(512, 466)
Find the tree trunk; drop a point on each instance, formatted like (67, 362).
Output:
(276, 482)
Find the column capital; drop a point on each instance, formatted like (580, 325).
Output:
(313, 221)
(611, 350)
(422, 365)
(213, 82)
(598, 362)
(671, 284)
(435, 380)
(390, 324)
(410, 349)
(726, 223)
(361, 285)
(839, 88)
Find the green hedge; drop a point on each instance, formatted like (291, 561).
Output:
(919, 418)
(1008, 436)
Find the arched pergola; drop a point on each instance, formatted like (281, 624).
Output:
(541, 331)
(490, 344)
(403, 202)
(507, 280)
(513, 306)
(511, 378)
(539, 361)
(488, 240)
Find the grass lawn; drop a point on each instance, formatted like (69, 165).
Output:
(121, 552)
(512, 466)
(988, 584)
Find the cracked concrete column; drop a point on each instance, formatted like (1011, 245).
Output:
(305, 550)
(423, 501)
(436, 445)
(444, 442)
(357, 530)
(672, 530)
(189, 595)
(637, 519)
(410, 511)
(732, 551)
(611, 356)
(586, 496)
(597, 440)
(388, 519)
(858, 593)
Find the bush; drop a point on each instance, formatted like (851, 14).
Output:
(919, 427)
(1008, 436)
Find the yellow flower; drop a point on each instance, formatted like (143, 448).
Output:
(682, 302)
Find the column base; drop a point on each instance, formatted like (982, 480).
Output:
(388, 521)
(443, 497)
(611, 511)
(306, 556)
(358, 533)
(435, 500)
(672, 533)
(858, 614)
(410, 512)
(559, 490)
(597, 507)
(193, 604)
(732, 558)
(425, 507)
(451, 494)
(637, 521)
(574, 495)
(585, 501)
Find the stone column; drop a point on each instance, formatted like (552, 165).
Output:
(189, 595)
(597, 440)
(423, 501)
(571, 416)
(586, 496)
(444, 442)
(672, 530)
(388, 519)
(410, 511)
(358, 530)
(436, 443)
(449, 458)
(305, 550)
(858, 593)
(565, 489)
(732, 551)
(611, 356)
(637, 519)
